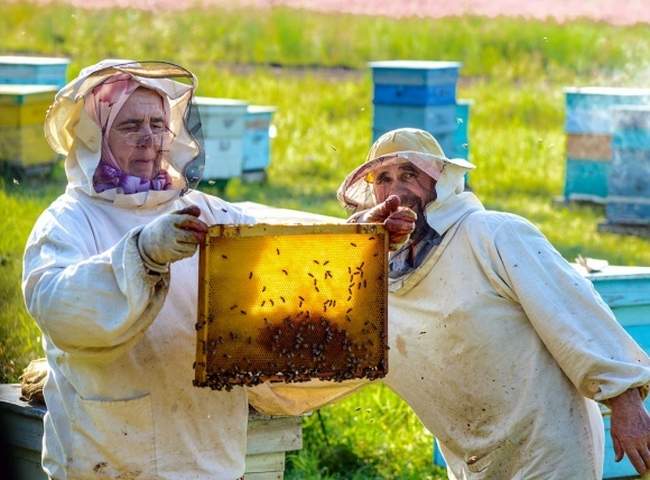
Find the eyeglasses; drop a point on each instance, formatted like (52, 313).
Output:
(157, 136)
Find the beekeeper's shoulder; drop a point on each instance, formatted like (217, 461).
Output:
(486, 225)
(215, 209)
(64, 215)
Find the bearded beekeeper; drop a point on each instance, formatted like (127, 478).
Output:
(496, 342)
(110, 276)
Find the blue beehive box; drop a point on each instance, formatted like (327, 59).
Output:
(626, 290)
(412, 82)
(586, 180)
(257, 148)
(33, 70)
(417, 94)
(588, 162)
(628, 200)
(588, 108)
(589, 125)
(223, 122)
(434, 119)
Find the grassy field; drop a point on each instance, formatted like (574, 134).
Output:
(513, 69)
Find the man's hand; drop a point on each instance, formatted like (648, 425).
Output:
(171, 237)
(631, 429)
(398, 221)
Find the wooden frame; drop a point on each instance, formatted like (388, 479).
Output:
(351, 332)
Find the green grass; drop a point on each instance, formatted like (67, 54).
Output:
(514, 70)
(504, 48)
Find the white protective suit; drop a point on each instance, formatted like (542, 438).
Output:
(499, 346)
(120, 340)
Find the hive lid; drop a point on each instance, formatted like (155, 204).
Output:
(290, 303)
(619, 91)
(261, 109)
(415, 64)
(209, 105)
(27, 60)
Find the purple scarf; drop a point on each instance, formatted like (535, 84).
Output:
(107, 177)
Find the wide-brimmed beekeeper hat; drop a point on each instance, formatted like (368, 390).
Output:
(416, 146)
(71, 131)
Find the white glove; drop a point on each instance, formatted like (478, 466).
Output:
(171, 237)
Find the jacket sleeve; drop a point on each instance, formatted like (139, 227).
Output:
(575, 324)
(298, 398)
(92, 304)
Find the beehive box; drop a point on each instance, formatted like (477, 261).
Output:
(223, 125)
(588, 108)
(434, 119)
(290, 303)
(409, 82)
(420, 94)
(33, 70)
(22, 113)
(257, 145)
(626, 290)
(628, 200)
(589, 126)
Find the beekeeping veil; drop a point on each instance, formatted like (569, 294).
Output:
(416, 146)
(72, 128)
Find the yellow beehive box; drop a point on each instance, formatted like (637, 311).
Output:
(290, 303)
(22, 113)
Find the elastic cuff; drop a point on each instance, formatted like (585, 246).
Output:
(151, 265)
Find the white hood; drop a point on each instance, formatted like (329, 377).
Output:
(71, 132)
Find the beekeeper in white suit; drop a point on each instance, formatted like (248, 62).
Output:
(496, 342)
(110, 277)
